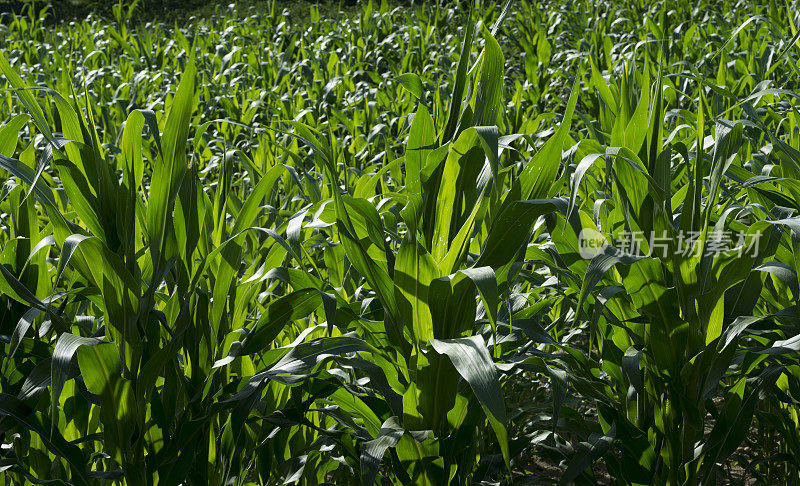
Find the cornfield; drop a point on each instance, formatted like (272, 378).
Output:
(521, 243)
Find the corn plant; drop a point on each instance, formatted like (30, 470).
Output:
(401, 245)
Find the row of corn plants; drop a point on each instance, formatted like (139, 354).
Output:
(512, 244)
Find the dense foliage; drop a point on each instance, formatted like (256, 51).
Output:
(357, 248)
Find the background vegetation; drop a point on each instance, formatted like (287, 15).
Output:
(255, 247)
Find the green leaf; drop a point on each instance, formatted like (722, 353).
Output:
(490, 85)
(421, 140)
(43, 193)
(414, 269)
(9, 134)
(102, 373)
(372, 452)
(24, 94)
(512, 226)
(464, 156)
(412, 83)
(307, 355)
(168, 174)
(278, 314)
(540, 172)
(65, 349)
(588, 452)
(471, 358)
(29, 420)
(734, 421)
(602, 87)
(232, 254)
(486, 283)
(460, 82)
